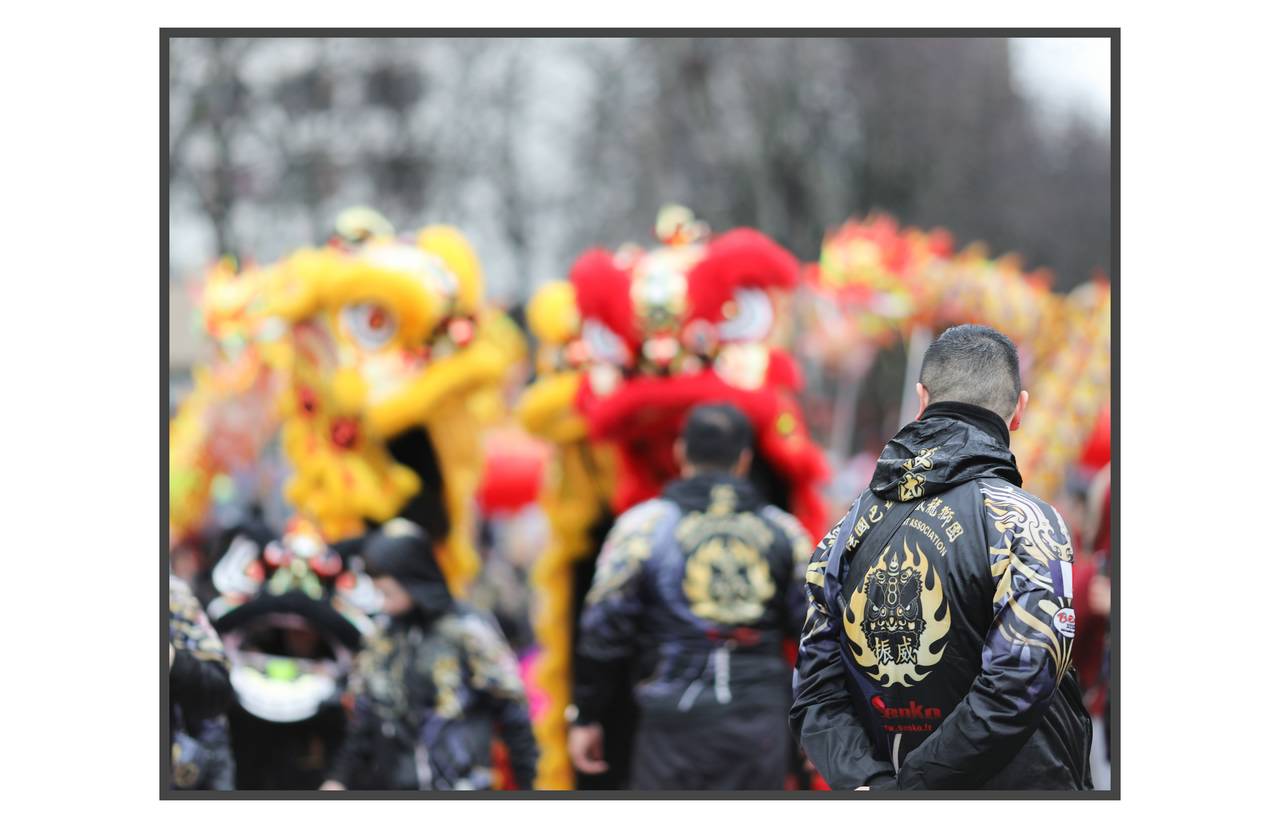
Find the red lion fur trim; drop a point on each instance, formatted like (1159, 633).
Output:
(739, 258)
(644, 417)
(783, 372)
(604, 291)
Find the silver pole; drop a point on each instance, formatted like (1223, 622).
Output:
(919, 342)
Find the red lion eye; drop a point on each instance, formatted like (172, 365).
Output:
(344, 432)
(377, 318)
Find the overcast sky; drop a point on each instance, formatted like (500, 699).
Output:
(1062, 75)
(1058, 76)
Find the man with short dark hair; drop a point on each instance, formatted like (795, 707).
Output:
(707, 580)
(936, 651)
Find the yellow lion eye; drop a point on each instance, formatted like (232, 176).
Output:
(370, 324)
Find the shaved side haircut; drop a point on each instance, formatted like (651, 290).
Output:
(973, 364)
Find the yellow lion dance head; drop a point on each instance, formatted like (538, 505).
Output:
(396, 366)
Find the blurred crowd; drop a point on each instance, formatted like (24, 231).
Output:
(349, 636)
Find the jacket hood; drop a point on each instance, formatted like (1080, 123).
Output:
(952, 443)
(728, 492)
(402, 550)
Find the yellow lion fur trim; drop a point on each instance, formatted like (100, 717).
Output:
(553, 313)
(451, 246)
(546, 409)
(242, 374)
(575, 494)
(190, 479)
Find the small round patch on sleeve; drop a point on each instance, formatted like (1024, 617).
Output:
(1064, 621)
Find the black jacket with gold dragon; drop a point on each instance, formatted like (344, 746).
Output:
(696, 590)
(936, 651)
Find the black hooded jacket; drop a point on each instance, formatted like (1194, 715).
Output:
(434, 688)
(936, 652)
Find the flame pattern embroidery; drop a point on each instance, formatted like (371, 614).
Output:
(898, 619)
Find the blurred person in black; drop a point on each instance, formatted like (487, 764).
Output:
(703, 584)
(434, 688)
(199, 694)
(936, 651)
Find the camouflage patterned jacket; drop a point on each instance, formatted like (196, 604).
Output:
(428, 703)
(199, 692)
(936, 651)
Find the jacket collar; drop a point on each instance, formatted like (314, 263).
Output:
(951, 444)
(697, 492)
(983, 419)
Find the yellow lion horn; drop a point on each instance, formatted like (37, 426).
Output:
(452, 247)
(553, 313)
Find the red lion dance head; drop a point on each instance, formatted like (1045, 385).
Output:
(698, 319)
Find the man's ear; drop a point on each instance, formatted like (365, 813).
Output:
(743, 466)
(923, 394)
(1018, 410)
